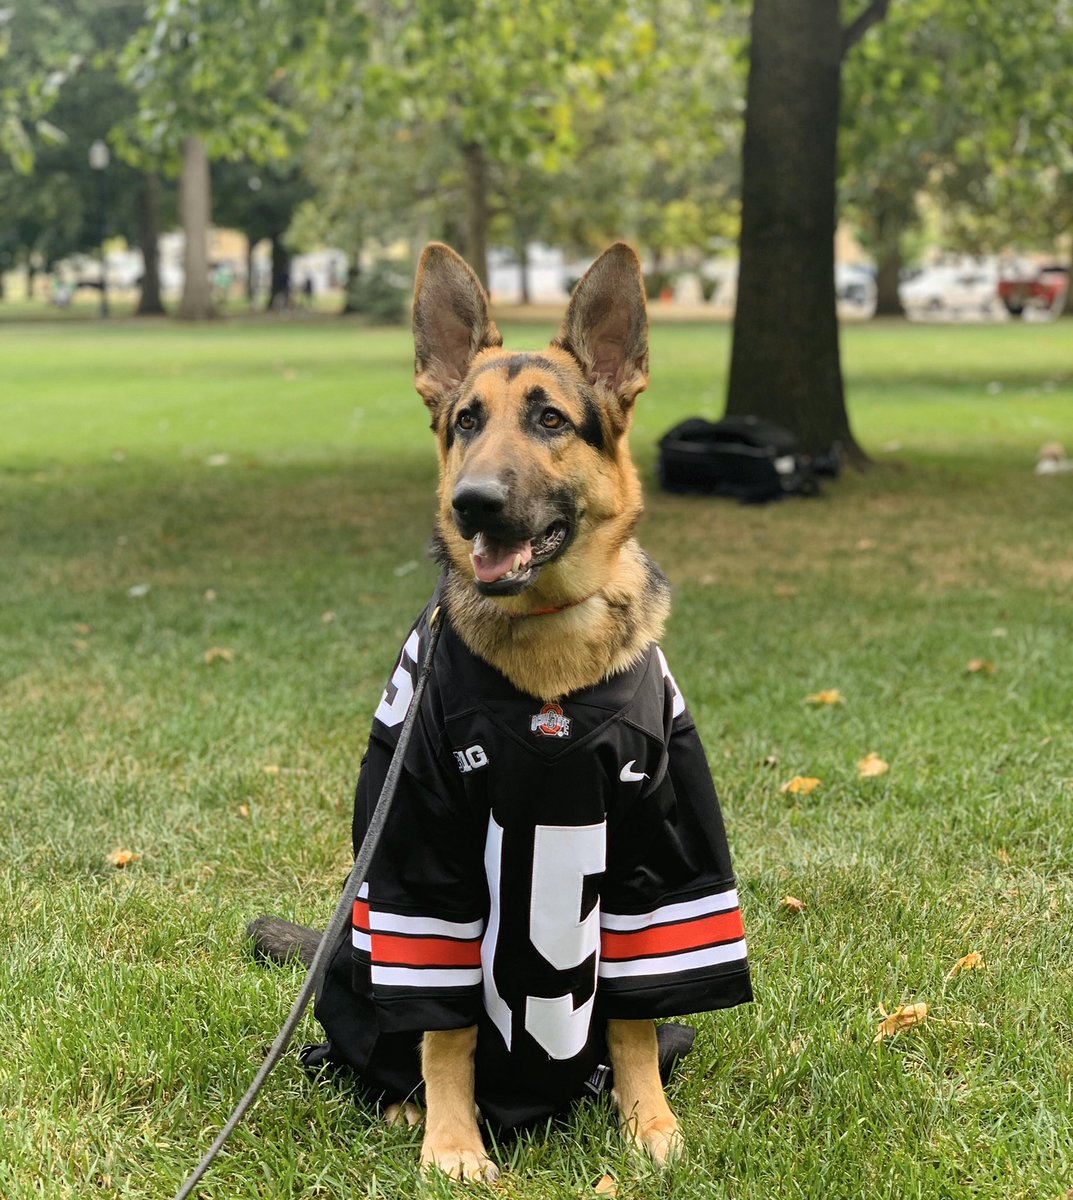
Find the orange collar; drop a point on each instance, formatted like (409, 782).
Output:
(550, 612)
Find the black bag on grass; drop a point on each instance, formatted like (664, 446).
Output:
(745, 457)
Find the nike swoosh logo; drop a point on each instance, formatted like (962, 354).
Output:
(629, 775)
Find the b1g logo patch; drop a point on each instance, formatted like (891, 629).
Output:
(471, 759)
(550, 722)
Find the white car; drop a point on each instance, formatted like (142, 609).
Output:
(951, 291)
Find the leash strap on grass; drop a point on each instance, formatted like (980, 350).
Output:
(339, 918)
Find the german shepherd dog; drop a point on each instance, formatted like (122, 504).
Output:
(537, 505)
(551, 518)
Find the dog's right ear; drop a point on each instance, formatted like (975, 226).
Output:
(451, 323)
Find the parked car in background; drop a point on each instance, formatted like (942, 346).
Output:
(855, 289)
(1025, 288)
(966, 289)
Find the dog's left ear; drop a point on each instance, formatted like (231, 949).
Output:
(451, 323)
(606, 326)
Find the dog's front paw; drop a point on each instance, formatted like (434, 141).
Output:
(659, 1138)
(458, 1160)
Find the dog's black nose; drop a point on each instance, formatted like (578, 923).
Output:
(475, 500)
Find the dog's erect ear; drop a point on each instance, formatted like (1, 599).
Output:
(606, 325)
(451, 323)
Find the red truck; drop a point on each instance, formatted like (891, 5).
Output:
(1041, 288)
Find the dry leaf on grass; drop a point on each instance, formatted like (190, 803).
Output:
(120, 858)
(605, 1186)
(830, 696)
(1003, 856)
(800, 785)
(210, 595)
(243, 810)
(871, 765)
(980, 666)
(271, 769)
(219, 654)
(82, 628)
(973, 961)
(327, 617)
(905, 1016)
(792, 904)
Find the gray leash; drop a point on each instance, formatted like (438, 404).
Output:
(339, 918)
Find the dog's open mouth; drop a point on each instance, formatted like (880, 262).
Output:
(504, 568)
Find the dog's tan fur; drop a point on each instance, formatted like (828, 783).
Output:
(610, 601)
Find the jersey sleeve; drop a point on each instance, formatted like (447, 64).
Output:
(672, 940)
(419, 919)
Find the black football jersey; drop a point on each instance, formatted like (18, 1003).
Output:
(544, 867)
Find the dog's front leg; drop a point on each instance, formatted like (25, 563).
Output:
(644, 1113)
(452, 1140)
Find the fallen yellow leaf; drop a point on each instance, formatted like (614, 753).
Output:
(605, 1186)
(243, 810)
(871, 765)
(271, 769)
(792, 904)
(830, 696)
(973, 961)
(800, 785)
(219, 653)
(120, 858)
(980, 666)
(905, 1016)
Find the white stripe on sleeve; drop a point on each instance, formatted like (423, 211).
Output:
(686, 910)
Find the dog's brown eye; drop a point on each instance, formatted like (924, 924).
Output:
(466, 420)
(550, 418)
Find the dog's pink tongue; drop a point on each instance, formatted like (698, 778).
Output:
(491, 561)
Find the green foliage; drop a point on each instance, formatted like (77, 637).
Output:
(966, 103)
(215, 69)
(381, 293)
(41, 45)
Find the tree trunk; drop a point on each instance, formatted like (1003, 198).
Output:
(250, 290)
(353, 275)
(31, 276)
(888, 281)
(279, 294)
(523, 270)
(890, 218)
(477, 217)
(195, 209)
(148, 203)
(785, 363)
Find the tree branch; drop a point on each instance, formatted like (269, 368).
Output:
(859, 26)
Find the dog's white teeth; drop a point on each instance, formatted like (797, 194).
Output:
(517, 563)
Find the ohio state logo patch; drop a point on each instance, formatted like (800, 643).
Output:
(550, 722)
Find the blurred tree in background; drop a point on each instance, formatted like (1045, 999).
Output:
(382, 122)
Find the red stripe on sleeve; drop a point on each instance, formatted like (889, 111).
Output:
(361, 915)
(670, 939)
(425, 951)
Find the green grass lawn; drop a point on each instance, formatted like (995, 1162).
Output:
(265, 489)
